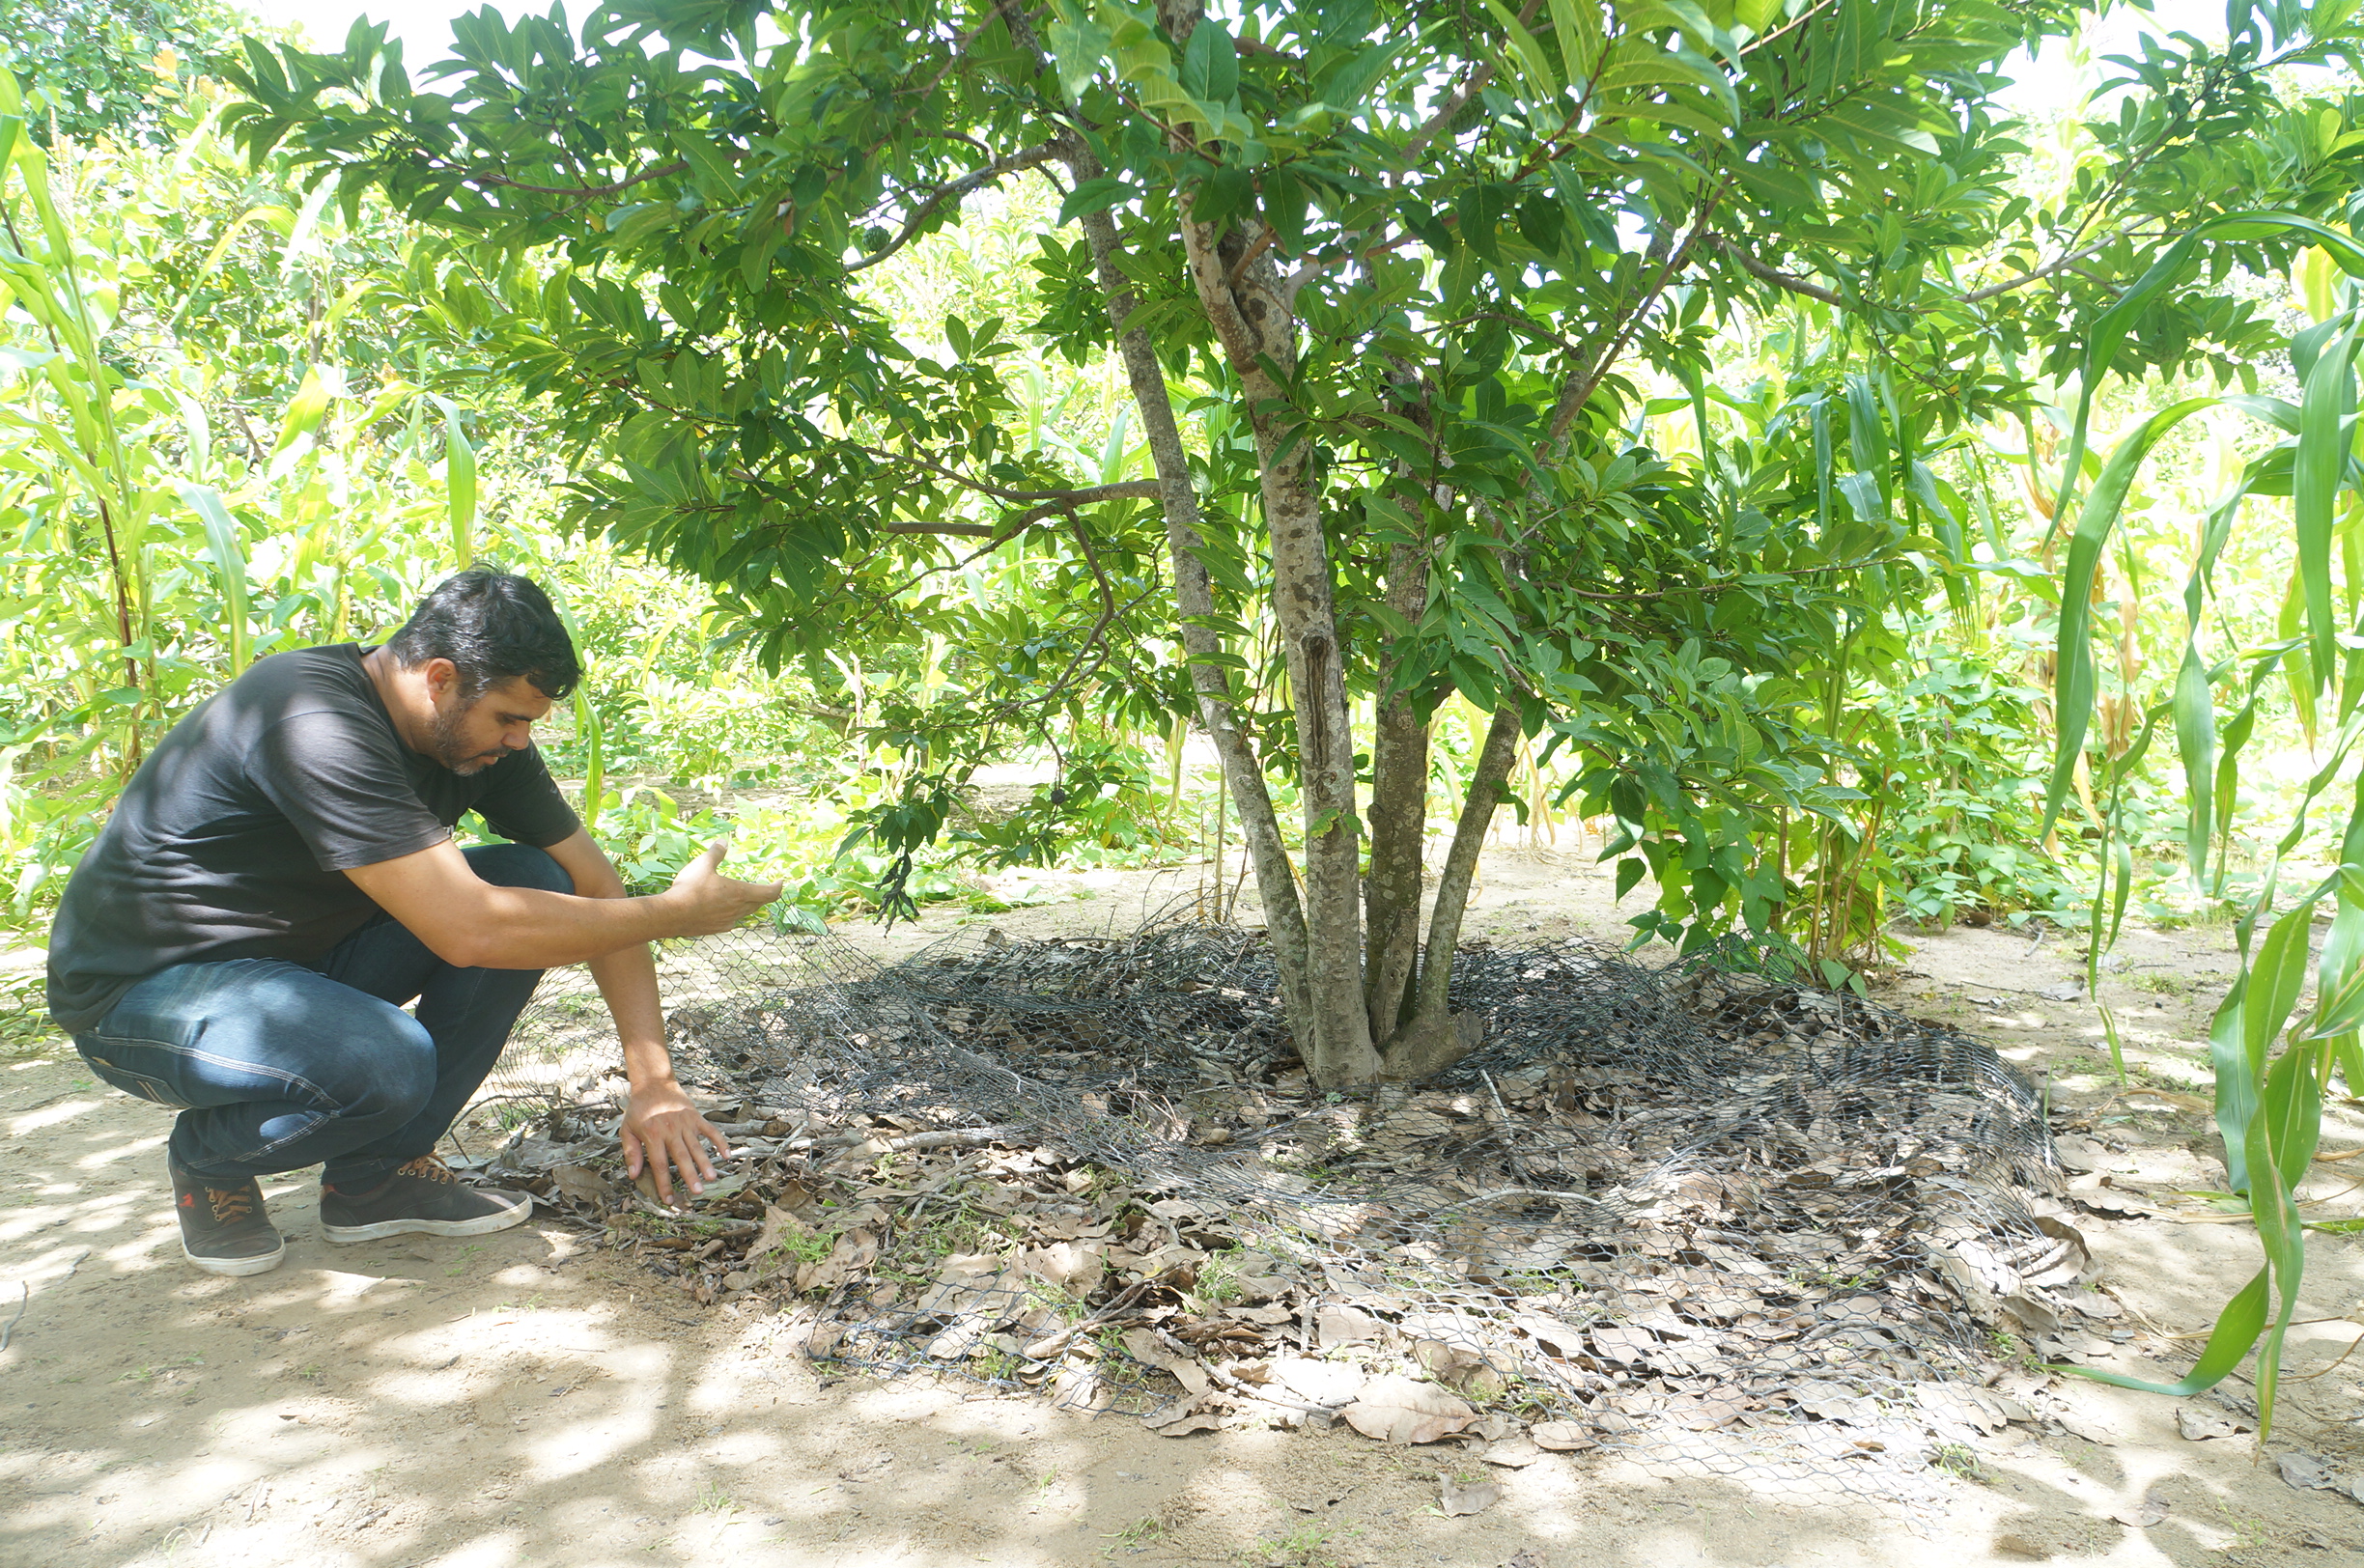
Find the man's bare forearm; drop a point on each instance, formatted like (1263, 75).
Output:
(626, 977)
(523, 928)
(465, 921)
(627, 984)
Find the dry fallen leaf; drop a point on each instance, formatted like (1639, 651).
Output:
(1458, 1367)
(2141, 1515)
(1397, 1409)
(1075, 1267)
(766, 1255)
(1835, 1402)
(1966, 1406)
(1458, 1499)
(2093, 1432)
(1321, 1383)
(1143, 1347)
(1184, 1416)
(1512, 1453)
(2199, 1425)
(2305, 1471)
(583, 1184)
(1338, 1325)
(855, 1252)
(1561, 1437)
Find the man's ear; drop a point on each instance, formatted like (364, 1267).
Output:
(442, 677)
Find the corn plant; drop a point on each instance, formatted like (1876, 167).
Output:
(155, 544)
(2268, 1106)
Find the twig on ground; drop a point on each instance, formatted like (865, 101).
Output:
(1042, 1350)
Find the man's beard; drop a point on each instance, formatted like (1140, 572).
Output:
(448, 750)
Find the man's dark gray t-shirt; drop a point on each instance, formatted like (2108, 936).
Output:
(233, 839)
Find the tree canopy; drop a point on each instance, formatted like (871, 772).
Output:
(101, 67)
(1395, 288)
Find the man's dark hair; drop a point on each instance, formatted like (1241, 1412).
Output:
(491, 624)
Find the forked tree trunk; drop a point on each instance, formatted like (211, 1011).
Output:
(1247, 304)
(1193, 593)
(1336, 1017)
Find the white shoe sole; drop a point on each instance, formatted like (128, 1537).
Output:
(481, 1225)
(259, 1263)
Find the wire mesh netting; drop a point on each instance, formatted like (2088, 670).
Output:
(1701, 1214)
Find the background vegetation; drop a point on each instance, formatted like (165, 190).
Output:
(1863, 496)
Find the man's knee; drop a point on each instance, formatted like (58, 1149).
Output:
(520, 865)
(387, 1070)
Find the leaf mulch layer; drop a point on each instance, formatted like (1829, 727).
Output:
(1701, 1214)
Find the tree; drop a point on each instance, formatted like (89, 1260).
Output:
(1417, 271)
(102, 68)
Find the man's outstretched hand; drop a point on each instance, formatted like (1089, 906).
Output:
(706, 902)
(663, 1129)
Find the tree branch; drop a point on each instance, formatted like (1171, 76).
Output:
(965, 530)
(2039, 274)
(1028, 157)
(1471, 86)
(1580, 391)
(1122, 489)
(1779, 279)
(1054, 503)
(482, 176)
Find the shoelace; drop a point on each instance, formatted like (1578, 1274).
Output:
(429, 1168)
(230, 1204)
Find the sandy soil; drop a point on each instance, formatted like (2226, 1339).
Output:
(529, 1399)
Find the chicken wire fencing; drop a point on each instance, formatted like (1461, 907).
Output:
(1702, 1214)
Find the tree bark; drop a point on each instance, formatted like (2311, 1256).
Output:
(1247, 304)
(1434, 1038)
(1398, 820)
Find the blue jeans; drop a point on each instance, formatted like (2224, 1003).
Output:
(275, 1066)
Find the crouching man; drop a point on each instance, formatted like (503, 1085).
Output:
(279, 882)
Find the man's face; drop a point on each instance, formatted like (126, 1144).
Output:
(468, 738)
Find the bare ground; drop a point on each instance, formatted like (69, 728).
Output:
(526, 1399)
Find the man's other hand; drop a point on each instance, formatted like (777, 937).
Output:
(664, 1130)
(708, 901)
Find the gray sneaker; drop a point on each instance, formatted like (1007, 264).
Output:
(421, 1199)
(223, 1228)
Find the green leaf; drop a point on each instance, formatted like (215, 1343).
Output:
(2237, 1328)
(2275, 980)
(1532, 63)
(2073, 686)
(1096, 195)
(459, 486)
(2316, 468)
(1079, 43)
(2195, 725)
(1629, 872)
(1479, 211)
(304, 411)
(1210, 64)
(1226, 192)
(1577, 25)
(225, 548)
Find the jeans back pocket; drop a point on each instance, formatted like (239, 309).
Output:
(130, 1083)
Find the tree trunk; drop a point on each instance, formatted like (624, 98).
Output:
(1247, 304)
(1398, 820)
(1399, 763)
(1434, 1038)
